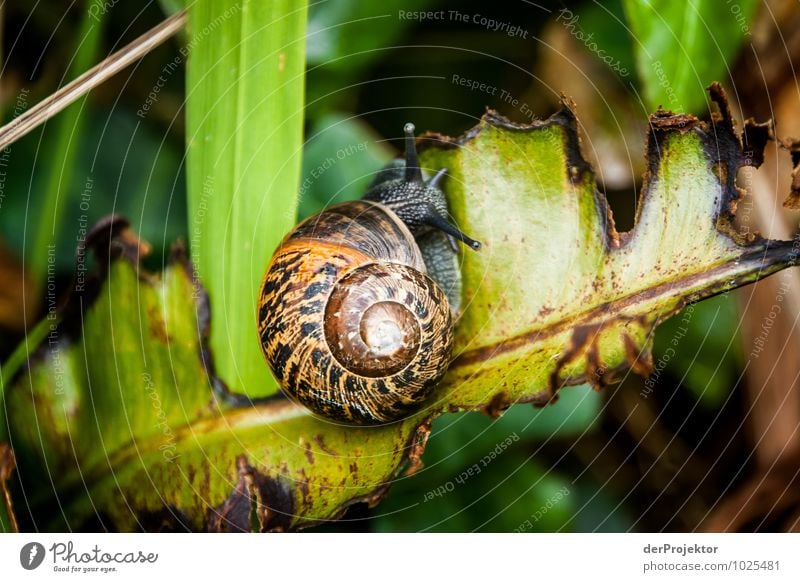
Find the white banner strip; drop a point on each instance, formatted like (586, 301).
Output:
(380, 557)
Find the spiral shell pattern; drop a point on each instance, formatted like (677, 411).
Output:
(349, 322)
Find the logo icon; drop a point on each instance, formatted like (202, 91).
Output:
(31, 555)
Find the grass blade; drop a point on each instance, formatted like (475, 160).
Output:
(62, 154)
(245, 94)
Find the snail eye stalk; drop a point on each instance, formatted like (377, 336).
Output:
(413, 170)
(432, 218)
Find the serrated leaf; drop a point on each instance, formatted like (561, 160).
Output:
(555, 297)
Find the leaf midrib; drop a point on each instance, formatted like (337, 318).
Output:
(766, 250)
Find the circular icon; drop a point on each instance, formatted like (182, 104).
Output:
(31, 555)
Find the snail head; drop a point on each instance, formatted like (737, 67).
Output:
(420, 204)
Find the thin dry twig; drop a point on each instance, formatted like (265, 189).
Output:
(95, 76)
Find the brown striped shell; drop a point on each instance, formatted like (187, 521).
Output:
(349, 322)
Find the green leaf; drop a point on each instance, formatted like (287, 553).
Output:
(554, 297)
(124, 405)
(245, 83)
(144, 383)
(553, 267)
(340, 158)
(62, 153)
(681, 47)
(344, 38)
(139, 175)
(493, 496)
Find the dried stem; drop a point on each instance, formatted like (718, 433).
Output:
(95, 76)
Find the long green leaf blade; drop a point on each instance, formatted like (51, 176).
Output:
(61, 157)
(245, 92)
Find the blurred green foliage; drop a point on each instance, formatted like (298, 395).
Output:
(340, 156)
(120, 165)
(604, 24)
(708, 358)
(472, 481)
(245, 117)
(681, 47)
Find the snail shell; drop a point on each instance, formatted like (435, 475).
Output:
(350, 323)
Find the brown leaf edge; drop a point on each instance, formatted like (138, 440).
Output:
(721, 143)
(111, 239)
(260, 503)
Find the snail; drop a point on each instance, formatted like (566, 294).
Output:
(356, 309)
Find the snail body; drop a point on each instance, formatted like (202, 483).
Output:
(353, 316)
